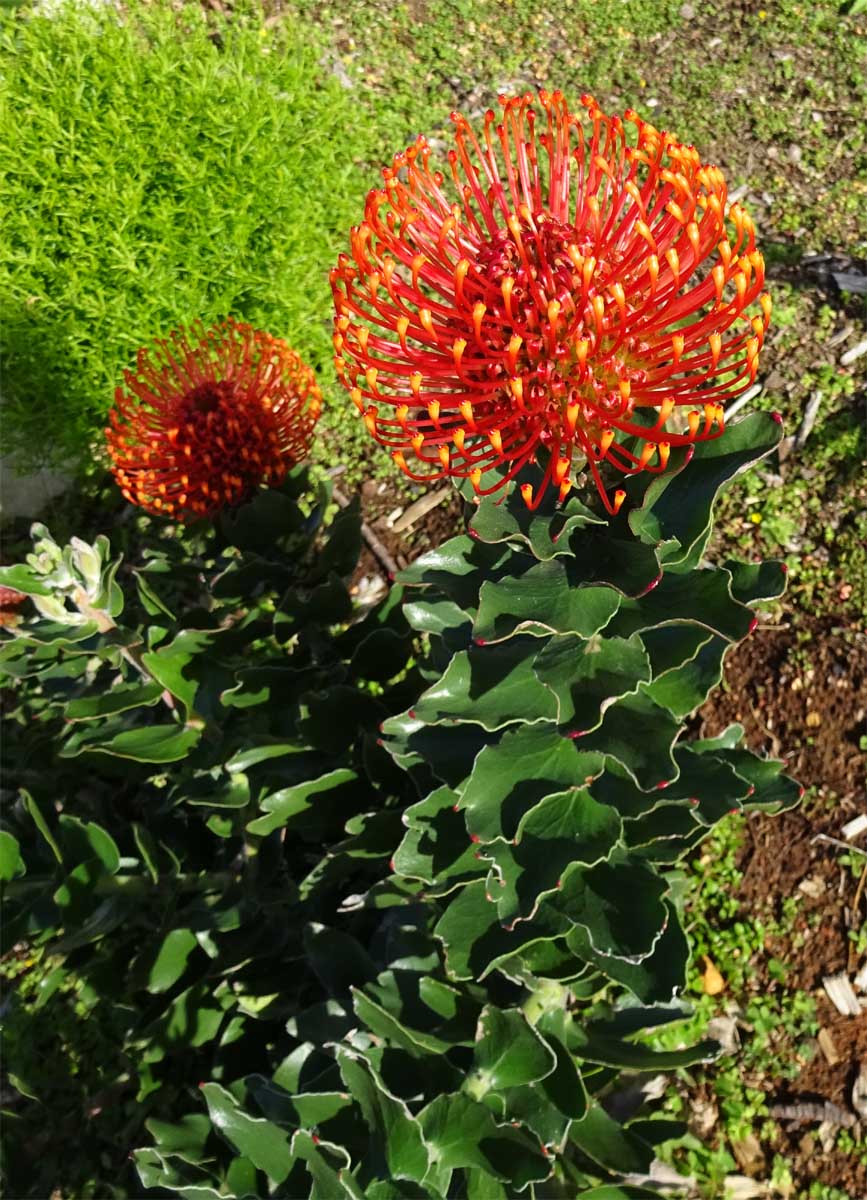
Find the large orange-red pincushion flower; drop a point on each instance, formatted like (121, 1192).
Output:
(579, 286)
(209, 415)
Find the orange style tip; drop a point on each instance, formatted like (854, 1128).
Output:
(619, 497)
(605, 442)
(527, 494)
(415, 382)
(434, 411)
(444, 457)
(398, 457)
(565, 489)
(459, 437)
(664, 449)
(476, 479)
(693, 420)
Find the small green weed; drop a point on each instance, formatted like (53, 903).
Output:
(775, 1026)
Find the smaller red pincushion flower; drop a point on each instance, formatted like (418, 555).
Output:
(10, 601)
(207, 417)
(575, 284)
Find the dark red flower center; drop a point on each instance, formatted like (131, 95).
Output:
(570, 353)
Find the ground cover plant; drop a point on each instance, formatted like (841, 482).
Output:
(791, 81)
(157, 171)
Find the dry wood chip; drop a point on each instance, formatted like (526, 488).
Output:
(749, 1153)
(812, 886)
(859, 1092)
(841, 994)
(826, 1045)
(741, 1187)
(854, 828)
(725, 1031)
(854, 354)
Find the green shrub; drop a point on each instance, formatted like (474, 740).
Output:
(158, 169)
(335, 972)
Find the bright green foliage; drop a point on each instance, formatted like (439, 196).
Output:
(158, 169)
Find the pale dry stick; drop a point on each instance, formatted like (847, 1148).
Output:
(853, 954)
(749, 394)
(823, 837)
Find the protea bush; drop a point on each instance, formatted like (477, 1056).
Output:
(386, 894)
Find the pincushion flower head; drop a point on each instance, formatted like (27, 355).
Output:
(576, 285)
(207, 417)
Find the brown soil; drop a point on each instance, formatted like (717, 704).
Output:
(800, 693)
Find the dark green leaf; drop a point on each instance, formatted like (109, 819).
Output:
(474, 939)
(588, 676)
(461, 1133)
(564, 1087)
(509, 778)
(185, 1138)
(639, 735)
(752, 582)
(381, 655)
(85, 840)
(459, 567)
(543, 600)
(619, 904)
(685, 688)
(117, 700)
(447, 750)
(152, 743)
(564, 828)
(338, 959)
(171, 960)
(397, 1135)
(336, 716)
(656, 978)
(308, 805)
(509, 1052)
(606, 1142)
(166, 665)
(250, 757)
(546, 530)
(383, 1024)
(679, 504)
(152, 602)
(329, 1182)
(41, 824)
(11, 863)
(265, 1144)
(701, 597)
(616, 1052)
(491, 686)
(437, 847)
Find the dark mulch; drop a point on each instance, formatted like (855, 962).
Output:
(801, 693)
